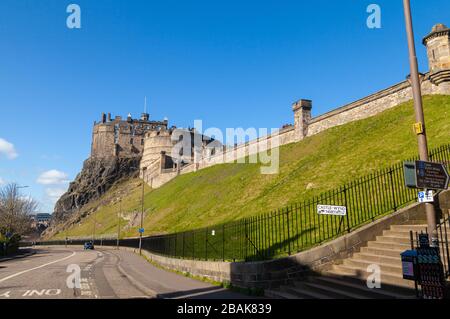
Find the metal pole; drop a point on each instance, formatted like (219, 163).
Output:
(93, 233)
(118, 223)
(418, 108)
(142, 210)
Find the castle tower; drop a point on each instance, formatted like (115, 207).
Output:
(438, 51)
(302, 116)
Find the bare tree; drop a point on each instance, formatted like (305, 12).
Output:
(15, 211)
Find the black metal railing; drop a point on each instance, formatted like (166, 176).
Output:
(295, 227)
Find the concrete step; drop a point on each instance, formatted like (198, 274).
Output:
(394, 240)
(390, 246)
(407, 228)
(396, 233)
(405, 234)
(334, 292)
(360, 288)
(362, 264)
(393, 279)
(300, 290)
(378, 258)
(278, 294)
(382, 251)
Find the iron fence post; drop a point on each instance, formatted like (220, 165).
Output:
(206, 244)
(392, 189)
(348, 208)
(183, 244)
(246, 239)
(288, 232)
(223, 242)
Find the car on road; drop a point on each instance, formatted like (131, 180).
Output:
(88, 245)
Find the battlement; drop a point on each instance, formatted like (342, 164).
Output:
(118, 137)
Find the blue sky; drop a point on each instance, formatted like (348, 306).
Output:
(230, 63)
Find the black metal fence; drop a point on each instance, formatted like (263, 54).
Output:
(443, 233)
(295, 227)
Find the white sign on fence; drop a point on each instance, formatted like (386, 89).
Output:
(331, 210)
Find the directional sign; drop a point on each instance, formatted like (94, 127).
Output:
(331, 210)
(431, 175)
(426, 197)
(141, 230)
(426, 175)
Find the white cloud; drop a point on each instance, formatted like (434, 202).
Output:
(52, 177)
(54, 193)
(8, 149)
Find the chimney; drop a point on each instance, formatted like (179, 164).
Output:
(103, 117)
(109, 117)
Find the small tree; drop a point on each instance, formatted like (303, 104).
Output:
(15, 211)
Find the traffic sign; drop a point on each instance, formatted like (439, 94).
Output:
(426, 175)
(141, 230)
(331, 210)
(426, 196)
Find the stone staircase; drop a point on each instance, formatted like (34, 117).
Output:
(348, 279)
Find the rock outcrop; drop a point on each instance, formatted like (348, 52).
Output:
(97, 176)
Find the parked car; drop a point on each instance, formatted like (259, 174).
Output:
(88, 245)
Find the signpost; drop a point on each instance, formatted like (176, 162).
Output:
(426, 175)
(141, 230)
(331, 210)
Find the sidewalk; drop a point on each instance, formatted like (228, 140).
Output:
(165, 284)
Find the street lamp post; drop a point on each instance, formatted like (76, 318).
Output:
(118, 223)
(142, 210)
(418, 108)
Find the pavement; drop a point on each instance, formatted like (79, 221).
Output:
(50, 273)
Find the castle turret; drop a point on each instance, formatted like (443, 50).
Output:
(302, 116)
(145, 116)
(438, 51)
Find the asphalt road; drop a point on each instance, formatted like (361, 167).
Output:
(67, 273)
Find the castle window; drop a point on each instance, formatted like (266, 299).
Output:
(142, 141)
(131, 141)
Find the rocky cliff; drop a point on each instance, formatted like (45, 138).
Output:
(97, 176)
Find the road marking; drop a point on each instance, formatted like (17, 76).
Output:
(38, 267)
(47, 292)
(6, 294)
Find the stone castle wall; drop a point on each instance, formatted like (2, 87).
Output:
(371, 105)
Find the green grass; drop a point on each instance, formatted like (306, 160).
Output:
(229, 192)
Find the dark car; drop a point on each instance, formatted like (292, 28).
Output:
(88, 245)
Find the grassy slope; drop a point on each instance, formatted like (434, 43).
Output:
(324, 161)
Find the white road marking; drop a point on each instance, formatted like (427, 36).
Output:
(38, 267)
(6, 294)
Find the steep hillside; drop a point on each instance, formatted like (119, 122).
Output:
(231, 191)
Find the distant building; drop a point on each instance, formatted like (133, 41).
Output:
(43, 217)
